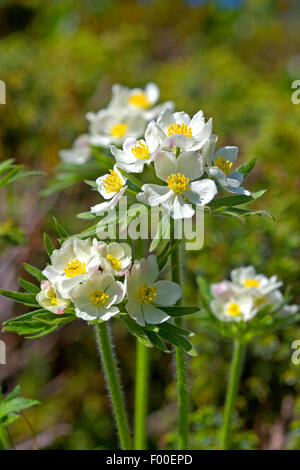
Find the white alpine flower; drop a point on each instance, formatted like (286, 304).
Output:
(180, 175)
(139, 101)
(72, 263)
(50, 299)
(179, 130)
(146, 294)
(136, 153)
(219, 164)
(110, 127)
(234, 309)
(96, 297)
(111, 186)
(79, 153)
(115, 257)
(246, 281)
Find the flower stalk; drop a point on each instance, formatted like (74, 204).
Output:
(232, 390)
(181, 366)
(141, 396)
(113, 384)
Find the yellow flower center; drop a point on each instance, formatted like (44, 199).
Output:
(178, 182)
(114, 262)
(75, 268)
(141, 151)
(251, 283)
(139, 100)
(118, 130)
(234, 310)
(98, 297)
(145, 294)
(113, 182)
(224, 165)
(52, 296)
(179, 129)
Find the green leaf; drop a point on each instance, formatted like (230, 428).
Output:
(236, 200)
(62, 233)
(86, 215)
(179, 311)
(131, 178)
(14, 393)
(15, 405)
(135, 329)
(28, 286)
(48, 245)
(8, 178)
(23, 298)
(6, 165)
(247, 167)
(35, 272)
(155, 340)
(178, 340)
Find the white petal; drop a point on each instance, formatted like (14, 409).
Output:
(190, 164)
(134, 309)
(228, 153)
(180, 209)
(152, 92)
(165, 164)
(167, 293)
(201, 192)
(154, 315)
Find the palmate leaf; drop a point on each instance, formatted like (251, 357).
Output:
(12, 404)
(21, 297)
(14, 172)
(37, 323)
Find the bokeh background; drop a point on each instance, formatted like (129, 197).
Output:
(236, 60)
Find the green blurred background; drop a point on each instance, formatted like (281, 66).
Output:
(236, 60)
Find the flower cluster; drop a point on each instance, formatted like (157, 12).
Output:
(186, 169)
(97, 279)
(246, 294)
(126, 116)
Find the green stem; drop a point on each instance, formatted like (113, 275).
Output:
(181, 366)
(232, 390)
(4, 440)
(113, 383)
(141, 396)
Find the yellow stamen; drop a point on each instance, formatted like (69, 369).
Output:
(178, 182)
(139, 100)
(113, 182)
(251, 283)
(99, 297)
(118, 130)
(179, 129)
(141, 151)
(145, 294)
(114, 262)
(234, 310)
(52, 296)
(224, 165)
(75, 268)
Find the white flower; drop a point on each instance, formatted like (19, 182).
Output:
(138, 101)
(115, 257)
(179, 174)
(97, 296)
(219, 166)
(145, 294)
(247, 281)
(79, 153)
(111, 186)
(110, 127)
(50, 299)
(234, 309)
(136, 153)
(179, 130)
(72, 263)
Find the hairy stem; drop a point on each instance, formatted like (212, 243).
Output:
(141, 396)
(181, 366)
(113, 384)
(232, 390)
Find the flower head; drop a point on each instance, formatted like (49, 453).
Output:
(115, 257)
(72, 263)
(111, 186)
(146, 294)
(179, 130)
(179, 174)
(50, 299)
(219, 165)
(79, 153)
(97, 296)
